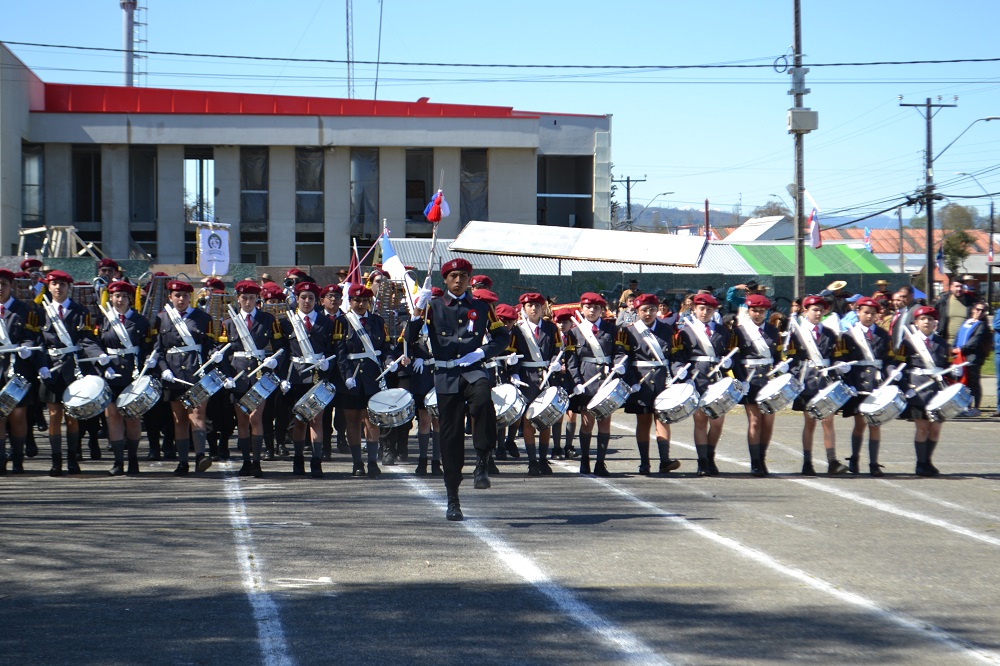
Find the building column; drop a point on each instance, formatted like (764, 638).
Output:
(227, 196)
(337, 206)
(392, 190)
(281, 206)
(58, 182)
(170, 204)
(512, 173)
(449, 160)
(114, 201)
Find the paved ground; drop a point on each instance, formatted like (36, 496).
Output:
(562, 569)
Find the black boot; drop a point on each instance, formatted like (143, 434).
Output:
(454, 511)
(482, 475)
(436, 468)
(316, 468)
(421, 467)
(298, 466)
(246, 469)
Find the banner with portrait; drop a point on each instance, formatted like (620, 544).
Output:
(213, 250)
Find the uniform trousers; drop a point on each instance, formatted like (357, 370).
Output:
(452, 420)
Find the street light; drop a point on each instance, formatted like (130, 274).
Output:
(989, 266)
(783, 202)
(630, 221)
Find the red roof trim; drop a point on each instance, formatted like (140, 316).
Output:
(70, 98)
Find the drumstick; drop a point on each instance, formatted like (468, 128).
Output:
(718, 366)
(548, 371)
(644, 378)
(837, 366)
(677, 375)
(379, 378)
(181, 381)
(200, 371)
(893, 376)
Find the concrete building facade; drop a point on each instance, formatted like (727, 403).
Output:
(296, 178)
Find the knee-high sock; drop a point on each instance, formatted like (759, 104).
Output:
(56, 442)
(298, 447)
(663, 448)
(423, 441)
(602, 445)
(931, 445)
(243, 444)
(754, 452)
(831, 455)
(856, 442)
(257, 443)
(557, 430)
(570, 432)
(317, 448)
(435, 445)
(532, 451)
(200, 438)
(132, 446)
(643, 452)
(372, 451)
(923, 455)
(543, 447)
(356, 454)
(702, 450)
(118, 448)
(584, 445)
(17, 450)
(72, 445)
(873, 447)
(183, 449)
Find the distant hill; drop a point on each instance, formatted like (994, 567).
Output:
(650, 218)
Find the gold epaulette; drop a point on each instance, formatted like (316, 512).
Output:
(223, 335)
(276, 329)
(338, 330)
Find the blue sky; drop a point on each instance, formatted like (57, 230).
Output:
(716, 133)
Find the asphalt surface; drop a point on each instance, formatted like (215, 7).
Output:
(214, 569)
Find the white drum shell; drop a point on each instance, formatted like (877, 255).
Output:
(949, 403)
(609, 397)
(15, 390)
(391, 408)
(548, 407)
(831, 398)
(779, 393)
(210, 384)
(883, 405)
(139, 397)
(676, 403)
(509, 404)
(87, 397)
(431, 403)
(721, 396)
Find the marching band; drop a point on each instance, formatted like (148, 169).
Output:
(300, 363)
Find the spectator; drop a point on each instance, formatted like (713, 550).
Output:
(633, 290)
(627, 314)
(973, 341)
(952, 309)
(996, 356)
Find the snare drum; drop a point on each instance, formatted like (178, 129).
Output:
(548, 407)
(431, 403)
(826, 403)
(259, 392)
(210, 384)
(314, 402)
(13, 393)
(676, 403)
(722, 396)
(779, 393)
(139, 397)
(609, 397)
(508, 403)
(87, 397)
(391, 408)
(949, 403)
(883, 405)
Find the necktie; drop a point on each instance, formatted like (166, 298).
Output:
(308, 322)
(816, 333)
(761, 330)
(364, 321)
(121, 318)
(249, 321)
(61, 314)
(3, 311)
(708, 330)
(537, 328)
(596, 330)
(868, 334)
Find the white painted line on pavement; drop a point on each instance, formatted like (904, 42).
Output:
(270, 632)
(633, 650)
(901, 620)
(940, 502)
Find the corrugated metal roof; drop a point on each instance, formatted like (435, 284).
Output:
(760, 228)
(829, 259)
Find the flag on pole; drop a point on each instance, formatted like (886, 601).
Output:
(939, 260)
(393, 265)
(814, 237)
(353, 276)
(868, 239)
(991, 248)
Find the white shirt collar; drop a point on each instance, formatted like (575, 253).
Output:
(10, 302)
(65, 304)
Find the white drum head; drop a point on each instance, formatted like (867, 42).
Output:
(944, 397)
(84, 391)
(390, 400)
(674, 395)
(880, 399)
(547, 397)
(504, 396)
(716, 390)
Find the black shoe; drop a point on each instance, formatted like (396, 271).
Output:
(154, 455)
(328, 455)
(268, 454)
(389, 458)
(492, 468)
(875, 469)
(601, 470)
(182, 469)
(30, 448)
(223, 452)
(836, 467)
(202, 462)
(584, 466)
(669, 465)
(72, 467)
(644, 470)
(713, 470)
(534, 469)
(359, 469)
(512, 450)
(808, 469)
(933, 470)
(118, 469)
(133, 467)
(342, 446)
(421, 469)
(246, 469)
(436, 468)
(454, 511)
(282, 451)
(481, 477)
(56, 471)
(373, 471)
(923, 469)
(544, 467)
(500, 453)
(854, 465)
(557, 453)
(298, 466)
(17, 467)
(756, 469)
(170, 455)
(258, 473)
(570, 452)
(316, 469)
(702, 467)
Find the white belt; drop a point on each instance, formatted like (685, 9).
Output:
(249, 354)
(451, 364)
(302, 360)
(355, 357)
(429, 362)
(184, 350)
(650, 364)
(534, 364)
(599, 360)
(709, 359)
(750, 362)
(123, 351)
(820, 364)
(490, 364)
(877, 363)
(62, 351)
(927, 371)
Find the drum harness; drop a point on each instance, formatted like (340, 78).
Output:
(586, 330)
(643, 333)
(8, 347)
(931, 370)
(182, 329)
(123, 337)
(60, 328)
(366, 341)
(753, 334)
(250, 350)
(857, 332)
(309, 358)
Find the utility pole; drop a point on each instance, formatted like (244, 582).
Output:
(928, 115)
(902, 257)
(801, 121)
(629, 182)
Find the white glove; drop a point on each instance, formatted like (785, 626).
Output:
(471, 357)
(45, 373)
(271, 363)
(727, 363)
(350, 382)
(393, 367)
(103, 359)
(229, 383)
(515, 379)
(423, 296)
(217, 357)
(620, 367)
(151, 362)
(323, 366)
(111, 374)
(555, 366)
(23, 352)
(418, 365)
(746, 387)
(578, 389)
(167, 375)
(285, 387)
(782, 367)
(957, 372)
(682, 373)
(634, 388)
(512, 359)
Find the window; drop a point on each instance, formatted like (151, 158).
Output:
(253, 186)
(309, 186)
(364, 193)
(419, 184)
(253, 248)
(32, 185)
(474, 186)
(86, 184)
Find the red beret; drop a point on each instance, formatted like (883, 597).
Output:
(294, 271)
(160, 274)
(334, 289)
(437, 292)
(247, 287)
(6, 274)
(270, 290)
(360, 290)
(705, 299)
(107, 263)
(215, 283)
(590, 298)
(21, 274)
(456, 265)
(815, 300)
(758, 301)
(59, 276)
(482, 279)
(118, 286)
(485, 295)
(645, 299)
(179, 285)
(562, 315)
(505, 311)
(531, 297)
(28, 264)
(925, 311)
(311, 287)
(870, 302)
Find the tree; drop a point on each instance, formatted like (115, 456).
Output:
(953, 216)
(956, 249)
(917, 222)
(771, 208)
